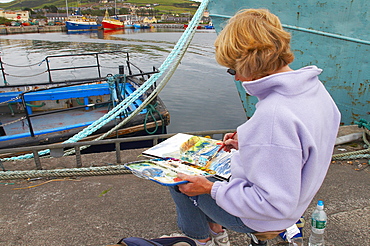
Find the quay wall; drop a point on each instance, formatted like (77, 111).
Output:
(156, 25)
(30, 29)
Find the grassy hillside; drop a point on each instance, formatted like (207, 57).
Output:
(165, 6)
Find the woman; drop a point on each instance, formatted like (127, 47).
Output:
(283, 150)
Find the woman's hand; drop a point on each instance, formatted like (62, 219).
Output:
(197, 185)
(230, 141)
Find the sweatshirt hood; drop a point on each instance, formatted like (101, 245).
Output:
(286, 83)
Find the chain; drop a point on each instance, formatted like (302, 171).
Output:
(13, 99)
(30, 65)
(25, 76)
(14, 121)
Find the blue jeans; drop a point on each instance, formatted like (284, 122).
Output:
(194, 213)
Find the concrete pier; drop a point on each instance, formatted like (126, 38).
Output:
(100, 210)
(31, 29)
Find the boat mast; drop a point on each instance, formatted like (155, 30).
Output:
(67, 7)
(115, 8)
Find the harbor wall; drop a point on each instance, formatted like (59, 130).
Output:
(62, 28)
(30, 29)
(167, 25)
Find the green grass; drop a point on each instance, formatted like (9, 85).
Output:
(165, 6)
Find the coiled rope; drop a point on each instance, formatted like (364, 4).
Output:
(171, 63)
(359, 154)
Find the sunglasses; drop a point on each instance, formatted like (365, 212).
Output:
(231, 71)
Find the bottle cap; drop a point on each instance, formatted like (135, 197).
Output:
(320, 203)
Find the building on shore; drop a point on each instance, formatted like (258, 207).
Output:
(56, 17)
(21, 16)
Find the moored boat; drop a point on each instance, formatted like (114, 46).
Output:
(79, 22)
(329, 35)
(128, 25)
(198, 27)
(55, 111)
(111, 23)
(141, 26)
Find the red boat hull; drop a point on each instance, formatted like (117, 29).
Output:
(186, 25)
(111, 25)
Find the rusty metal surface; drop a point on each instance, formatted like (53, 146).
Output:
(329, 34)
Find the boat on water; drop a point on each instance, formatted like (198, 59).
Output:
(128, 24)
(198, 27)
(54, 111)
(111, 23)
(141, 26)
(80, 22)
(330, 35)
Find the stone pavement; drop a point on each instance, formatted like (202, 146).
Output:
(100, 210)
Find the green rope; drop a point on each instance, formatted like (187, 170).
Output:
(10, 107)
(79, 102)
(363, 123)
(35, 106)
(151, 109)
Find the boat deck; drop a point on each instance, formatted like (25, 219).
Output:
(50, 123)
(59, 121)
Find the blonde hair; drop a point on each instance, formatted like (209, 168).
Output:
(254, 44)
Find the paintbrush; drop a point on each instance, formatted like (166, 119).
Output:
(215, 154)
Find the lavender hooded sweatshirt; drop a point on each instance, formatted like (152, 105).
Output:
(284, 151)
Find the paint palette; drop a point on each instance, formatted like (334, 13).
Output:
(164, 171)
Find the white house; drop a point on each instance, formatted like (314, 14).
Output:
(21, 16)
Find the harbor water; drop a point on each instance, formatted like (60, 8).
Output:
(199, 96)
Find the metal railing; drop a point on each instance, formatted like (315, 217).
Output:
(133, 72)
(57, 150)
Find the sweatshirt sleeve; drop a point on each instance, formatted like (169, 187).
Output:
(265, 183)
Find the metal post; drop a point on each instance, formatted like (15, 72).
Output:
(98, 65)
(129, 68)
(78, 156)
(47, 65)
(118, 153)
(27, 115)
(37, 159)
(2, 71)
(121, 69)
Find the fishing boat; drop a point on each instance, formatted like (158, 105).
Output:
(80, 22)
(128, 24)
(141, 26)
(111, 23)
(186, 26)
(55, 111)
(330, 35)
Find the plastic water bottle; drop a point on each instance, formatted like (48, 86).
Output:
(318, 224)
